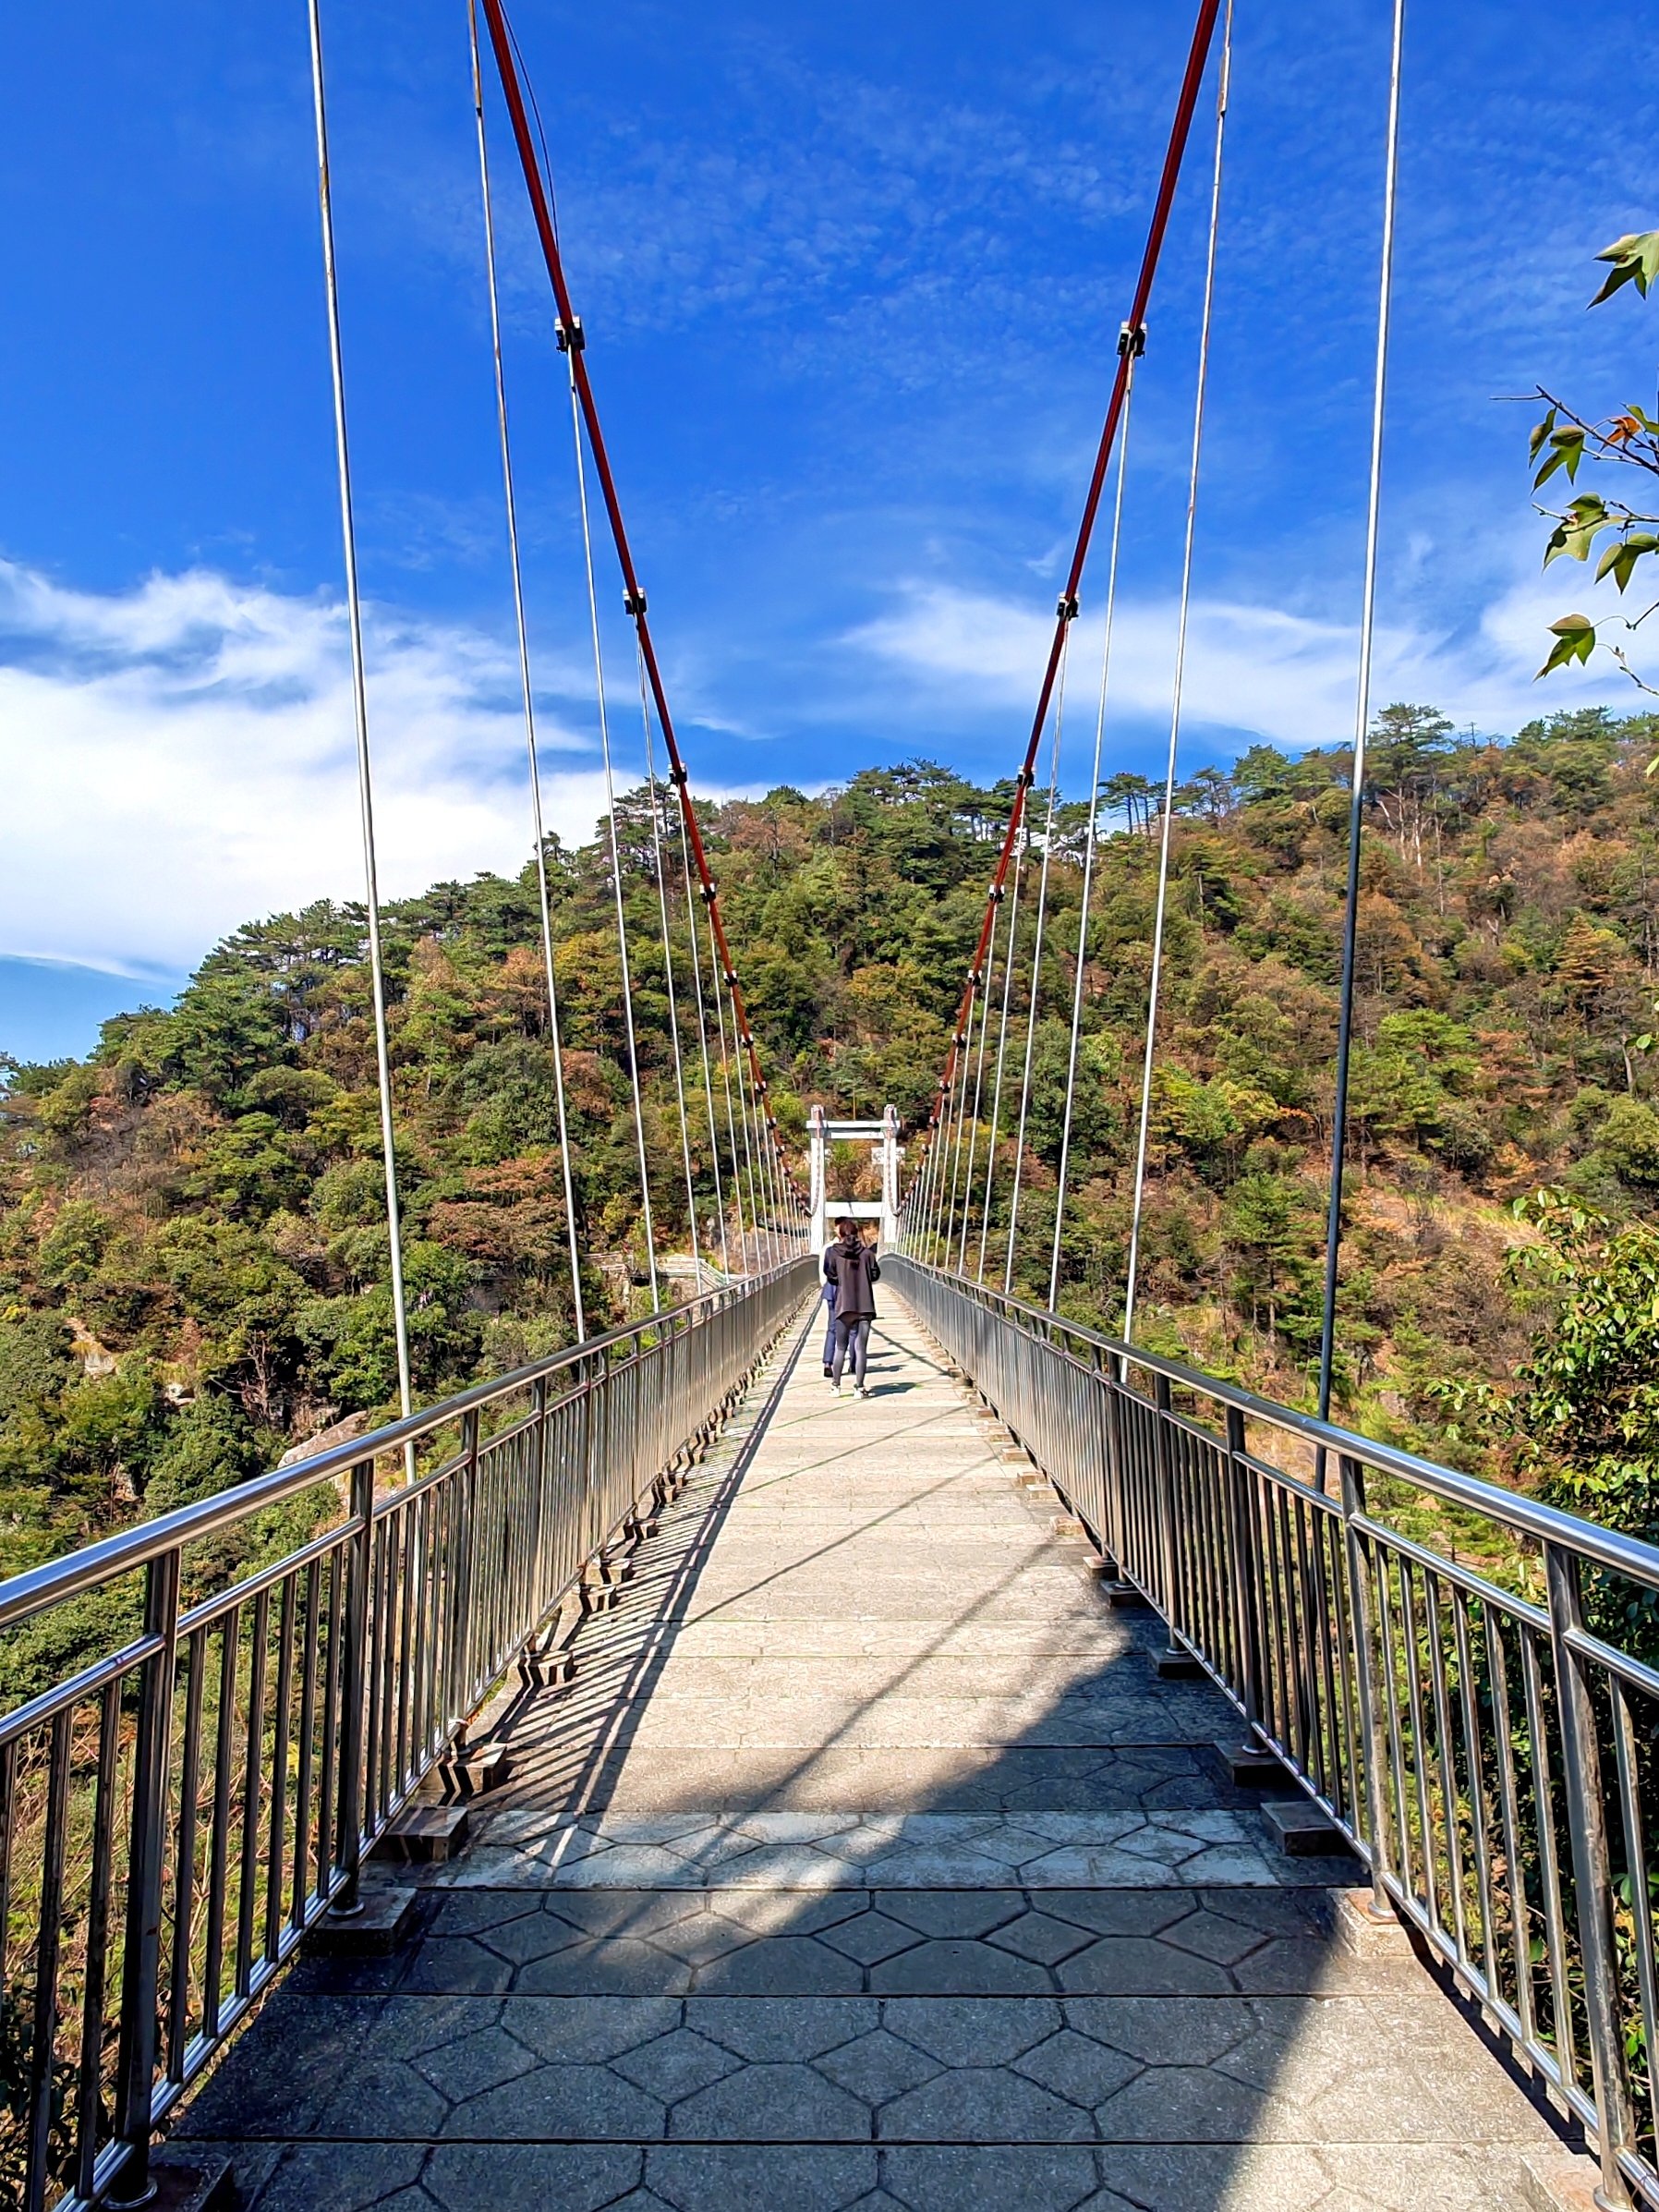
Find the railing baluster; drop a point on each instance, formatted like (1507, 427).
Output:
(307, 1731)
(135, 2076)
(355, 1688)
(1586, 1823)
(184, 1873)
(91, 2100)
(43, 2056)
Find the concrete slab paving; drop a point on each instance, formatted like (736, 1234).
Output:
(866, 1863)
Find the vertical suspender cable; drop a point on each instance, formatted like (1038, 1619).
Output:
(616, 873)
(524, 674)
(1007, 985)
(985, 1024)
(720, 1008)
(748, 1134)
(1036, 969)
(1180, 664)
(1356, 801)
(668, 971)
(1134, 342)
(949, 1150)
(958, 1116)
(697, 978)
(359, 700)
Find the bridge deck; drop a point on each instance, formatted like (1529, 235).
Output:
(869, 1863)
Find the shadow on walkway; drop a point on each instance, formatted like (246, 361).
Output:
(867, 1862)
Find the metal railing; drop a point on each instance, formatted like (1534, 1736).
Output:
(232, 1702)
(1491, 1752)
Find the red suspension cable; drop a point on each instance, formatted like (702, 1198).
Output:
(1180, 129)
(571, 338)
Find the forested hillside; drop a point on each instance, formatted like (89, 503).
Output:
(192, 1253)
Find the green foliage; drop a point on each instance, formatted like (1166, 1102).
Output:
(193, 1257)
(1627, 439)
(1587, 1400)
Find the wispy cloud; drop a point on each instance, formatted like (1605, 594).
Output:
(181, 756)
(1252, 671)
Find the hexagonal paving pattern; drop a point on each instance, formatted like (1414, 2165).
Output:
(868, 1863)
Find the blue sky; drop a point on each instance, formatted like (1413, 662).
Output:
(852, 279)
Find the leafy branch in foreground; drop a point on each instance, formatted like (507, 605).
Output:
(1561, 442)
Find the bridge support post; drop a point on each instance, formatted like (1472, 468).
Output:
(883, 1138)
(1592, 1870)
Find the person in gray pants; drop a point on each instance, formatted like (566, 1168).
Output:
(851, 1265)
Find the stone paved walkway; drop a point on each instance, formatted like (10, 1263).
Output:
(868, 1863)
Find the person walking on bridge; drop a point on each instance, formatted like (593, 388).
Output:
(828, 1296)
(851, 1265)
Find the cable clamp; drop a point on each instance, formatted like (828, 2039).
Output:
(634, 602)
(976, 978)
(997, 894)
(1066, 608)
(1024, 778)
(569, 336)
(730, 974)
(708, 893)
(1132, 340)
(679, 774)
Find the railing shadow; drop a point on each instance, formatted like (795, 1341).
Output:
(1038, 1951)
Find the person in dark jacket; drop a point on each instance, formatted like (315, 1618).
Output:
(851, 1265)
(828, 1295)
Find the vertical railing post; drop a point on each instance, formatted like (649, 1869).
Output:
(462, 1594)
(539, 1567)
(1368, 1689)
(1116, 1518)
(140, 1971)
(355, 1689)
(1592, 1870)
(1246, 1594)
(1167, 1570)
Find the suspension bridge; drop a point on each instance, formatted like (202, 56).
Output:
(1056, 1778)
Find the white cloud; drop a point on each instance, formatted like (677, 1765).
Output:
(1250, 670)
(180, 757)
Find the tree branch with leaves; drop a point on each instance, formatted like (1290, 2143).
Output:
(1560, 445)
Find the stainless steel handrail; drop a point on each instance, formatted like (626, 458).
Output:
(1492, 1756)
(252, 1688)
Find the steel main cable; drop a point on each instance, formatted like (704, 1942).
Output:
(633, 598)
(1180, 131)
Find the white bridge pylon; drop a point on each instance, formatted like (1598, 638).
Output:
(882, 1137)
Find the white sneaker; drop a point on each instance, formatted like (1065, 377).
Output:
(859, 1391)
(835, 1386)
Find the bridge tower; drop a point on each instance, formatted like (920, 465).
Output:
(882, 1137)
